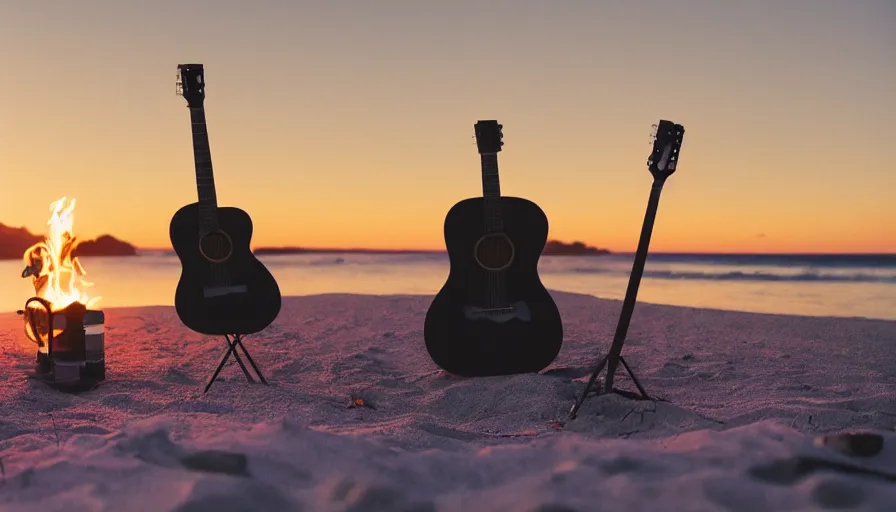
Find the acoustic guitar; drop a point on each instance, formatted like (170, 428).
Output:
(493, 316)
(223, 288)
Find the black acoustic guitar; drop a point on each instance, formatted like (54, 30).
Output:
(493, 316)
(223, 288)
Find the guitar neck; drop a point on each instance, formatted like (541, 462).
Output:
(205, 178)
(491, 192)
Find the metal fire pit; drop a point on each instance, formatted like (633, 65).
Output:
(71, 344)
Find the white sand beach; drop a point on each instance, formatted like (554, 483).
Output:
(742, 397)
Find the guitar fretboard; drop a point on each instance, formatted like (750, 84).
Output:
(205, 179)
(491, 192)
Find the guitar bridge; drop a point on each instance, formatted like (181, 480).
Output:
(518, 310)
(220, 291)
(497, 311)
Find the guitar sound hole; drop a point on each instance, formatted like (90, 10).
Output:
(216, 246)
(494, 252)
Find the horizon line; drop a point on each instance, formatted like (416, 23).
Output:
(611, 252)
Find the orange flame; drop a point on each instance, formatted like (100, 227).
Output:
(57, 276)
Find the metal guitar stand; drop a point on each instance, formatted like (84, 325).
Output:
(662, 163)
(234, 341)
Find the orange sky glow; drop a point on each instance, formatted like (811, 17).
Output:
(351, 124)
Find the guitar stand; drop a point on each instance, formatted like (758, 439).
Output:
(614, 356)
(234, 341)
(608, 384)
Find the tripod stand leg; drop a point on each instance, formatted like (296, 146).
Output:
(236, 354)
(631, 374)
(575, 408)
(218, 369)
(239, 341)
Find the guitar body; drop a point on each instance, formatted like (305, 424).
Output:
(235, 296)
(469, 331)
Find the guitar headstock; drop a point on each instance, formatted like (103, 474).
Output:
(667, 139)
(191, 84)
(489, 137)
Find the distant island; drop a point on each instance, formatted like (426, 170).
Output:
(552, 248)
(558, 248)
(105, 245)
(14, 242)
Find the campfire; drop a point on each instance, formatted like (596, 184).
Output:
(59, 318)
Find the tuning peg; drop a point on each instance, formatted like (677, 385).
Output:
(653, 131)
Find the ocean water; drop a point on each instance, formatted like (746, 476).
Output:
(818, 285)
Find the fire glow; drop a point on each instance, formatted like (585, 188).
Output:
(58, 277)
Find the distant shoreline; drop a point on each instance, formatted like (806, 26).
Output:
(552, 248)
(819, 257)
(664, 255)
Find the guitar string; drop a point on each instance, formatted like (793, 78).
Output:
(494, 251)
(499, 255)
(488, 253)
(495, 288)
(218, 272)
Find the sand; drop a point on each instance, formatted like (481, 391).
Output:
(742, 398)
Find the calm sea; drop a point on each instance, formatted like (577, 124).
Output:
(835, 285)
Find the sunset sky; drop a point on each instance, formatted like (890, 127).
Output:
(349, 124)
